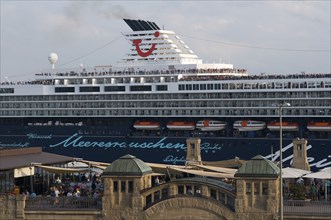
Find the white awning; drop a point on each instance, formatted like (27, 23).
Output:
(218, 169)
(322, 174)
(23, 171)
(165, 166)
(290, 172)
(204, 173)
(52, 169)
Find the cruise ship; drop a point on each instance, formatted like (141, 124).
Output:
(159, 95)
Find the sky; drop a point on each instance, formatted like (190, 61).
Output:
(272, 37)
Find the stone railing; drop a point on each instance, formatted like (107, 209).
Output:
(42, 203)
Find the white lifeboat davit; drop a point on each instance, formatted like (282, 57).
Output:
(249, 125)
(211, 125)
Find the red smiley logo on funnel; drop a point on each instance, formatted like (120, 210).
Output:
(147, 53)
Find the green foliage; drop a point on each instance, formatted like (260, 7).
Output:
(299, 191)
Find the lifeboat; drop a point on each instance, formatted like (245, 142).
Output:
(210, 125)
(180, 125)
(146, 125)
(319, 126)
(249, 125)
(286, 126)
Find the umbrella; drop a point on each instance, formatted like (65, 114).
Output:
(290, 172)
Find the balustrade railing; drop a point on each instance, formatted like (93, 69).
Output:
(42, 202)
(302, 207)
(217, 191)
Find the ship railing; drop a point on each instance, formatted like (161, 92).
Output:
(238, 74)
(46, 202)
(307, 208)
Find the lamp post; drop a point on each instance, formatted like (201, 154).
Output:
(280, 106)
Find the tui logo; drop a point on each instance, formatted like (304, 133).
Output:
(136, 42)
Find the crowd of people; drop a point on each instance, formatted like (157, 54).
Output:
(83, 187)
(311, 189)
(233, 74)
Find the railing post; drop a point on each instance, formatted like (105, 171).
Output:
(20, 206)
(173, 190)
(205, 191)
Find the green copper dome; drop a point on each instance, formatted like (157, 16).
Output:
(127, 165)
(258, 166)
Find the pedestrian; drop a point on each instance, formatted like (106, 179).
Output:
(313, 192)
(157, 181)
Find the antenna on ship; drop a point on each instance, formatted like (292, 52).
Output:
(52, 58)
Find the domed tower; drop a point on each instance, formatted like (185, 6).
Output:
(257, 185)
(123, 181)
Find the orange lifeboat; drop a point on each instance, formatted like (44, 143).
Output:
(249, 125)
(319, 126)
(286, 126)
(146, 125)
(210, 125)
(180, 125)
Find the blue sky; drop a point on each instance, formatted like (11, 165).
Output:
(261, 36)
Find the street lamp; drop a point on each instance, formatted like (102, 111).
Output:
(281, 106)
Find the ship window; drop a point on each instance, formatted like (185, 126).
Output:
(7, 90)
(210, 86)
(202, 86)
(114, 88)
(89, 89)
(161, 88)
(140, 88)
(188, 87)
(181, 87)
(217, 86)
(65, 89)
(195, 86)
